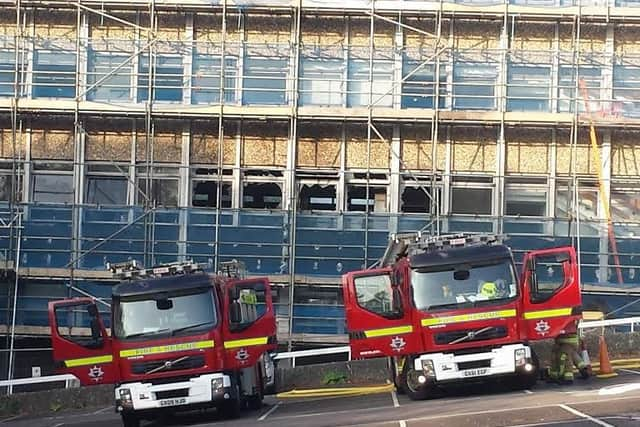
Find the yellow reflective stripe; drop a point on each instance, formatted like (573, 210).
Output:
(541, 314)
(197, 345)
(72, 363)
(247, 342)
(468, 317)
(373, 333)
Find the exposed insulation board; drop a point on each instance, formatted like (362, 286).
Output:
(268, 29)
(50, 24)
(360, 30)
(625, 154)
(566, 37)
(593, 38)
(473, 149)
(528, 149)
(323, 31)
(6, 149)
(208, 27)
(265, 144)
(627, 39)
(167, 143)
(417, 149)
(476, 35)
(319, 146)
(108, 140)
(8, 22)
(583, 154)
(416, 39)
(357, 148)
(108, 29)
(50, 140)
(204, 145)
(533, 36)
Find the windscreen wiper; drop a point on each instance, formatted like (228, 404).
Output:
(197, 325)
(142, 334)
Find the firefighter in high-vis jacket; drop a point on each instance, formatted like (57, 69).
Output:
(564, 356)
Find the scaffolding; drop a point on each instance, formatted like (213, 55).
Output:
(422, 93)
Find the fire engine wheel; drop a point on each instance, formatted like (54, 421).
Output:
(233, 407)
(395, 376)
(130, 420)
(411, 385)
(255, 402)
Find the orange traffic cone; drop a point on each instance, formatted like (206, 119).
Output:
(606, 370)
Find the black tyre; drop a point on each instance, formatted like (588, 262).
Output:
(233, 407)
(255, 402)
(411, 385)
(395, 377)
(130, 420)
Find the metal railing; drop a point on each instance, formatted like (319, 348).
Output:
(293, 356)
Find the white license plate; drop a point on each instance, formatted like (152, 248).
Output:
(173, 402)
(476, 372)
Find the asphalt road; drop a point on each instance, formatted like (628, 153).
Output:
(612, 402)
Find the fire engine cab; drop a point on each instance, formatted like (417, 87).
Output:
(180, 339)
(450, 309)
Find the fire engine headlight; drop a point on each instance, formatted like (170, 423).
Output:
(217, 386)
(427, 368)
(125, 396)
(520, 357)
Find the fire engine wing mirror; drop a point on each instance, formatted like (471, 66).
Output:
(234, 293)
(235, 313)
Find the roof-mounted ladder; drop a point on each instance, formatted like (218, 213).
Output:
(407, 244)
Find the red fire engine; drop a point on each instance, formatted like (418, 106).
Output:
(180, 339)
(451, 309)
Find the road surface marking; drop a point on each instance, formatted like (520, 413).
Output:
(618, 389)
(269, 412)
(6, 420)
(630, 371)
(550, 423)
(394, 396)
(99, 411)
(586, 416)
(402, 423)
(528, 392)
(436, 417)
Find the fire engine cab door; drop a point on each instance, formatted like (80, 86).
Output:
(250, 323)
(551, 300)
(378, 318)
(80, 342)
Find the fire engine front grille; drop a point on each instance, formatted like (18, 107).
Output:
(471, 334)
(474, 364)
(170, 394)
(191, 362)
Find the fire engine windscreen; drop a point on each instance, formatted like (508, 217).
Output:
(169, 314)
(464, 286)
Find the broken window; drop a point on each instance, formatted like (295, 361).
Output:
(205, 194)
(262, 196)
(418, 199)
(357, 199)
(318, 197)
(161, 187)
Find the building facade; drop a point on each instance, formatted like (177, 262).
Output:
(330, 125)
